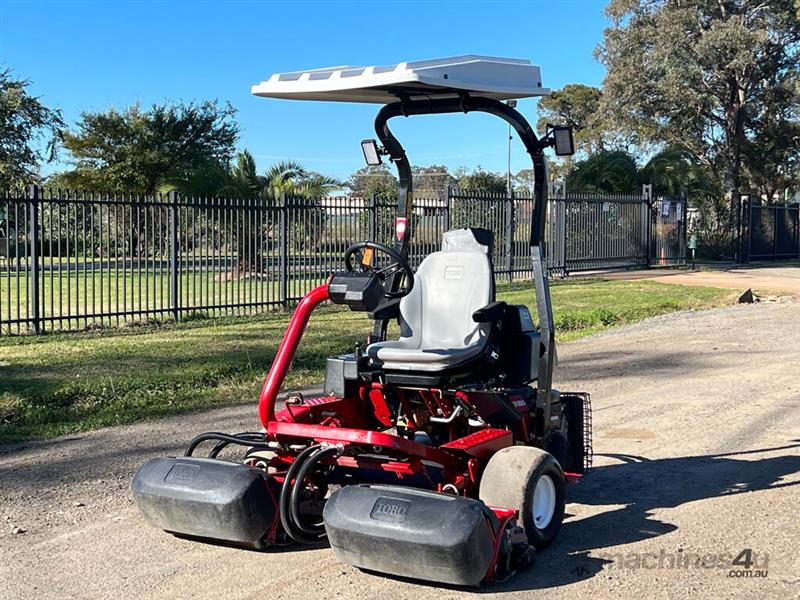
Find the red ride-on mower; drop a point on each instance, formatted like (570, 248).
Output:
(442, 455)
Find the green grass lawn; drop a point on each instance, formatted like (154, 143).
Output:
(59, 383)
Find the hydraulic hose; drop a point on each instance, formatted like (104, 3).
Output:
(315, 529)
(248, 437)
(284, 500)
(257, 440)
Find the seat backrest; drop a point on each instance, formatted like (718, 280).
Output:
(449, 286)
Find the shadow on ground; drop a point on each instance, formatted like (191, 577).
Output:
(642, 486)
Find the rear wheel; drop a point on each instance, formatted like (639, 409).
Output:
(531, 481)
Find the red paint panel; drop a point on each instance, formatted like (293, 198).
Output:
(413, 467)
(380, 408)
(482, 444)
(388, 442)
(344, 412)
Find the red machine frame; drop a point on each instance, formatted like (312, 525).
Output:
(343, 424)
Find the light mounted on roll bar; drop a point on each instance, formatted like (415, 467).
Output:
(560, 138)
(372, 153)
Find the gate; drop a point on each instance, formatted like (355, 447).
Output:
(592, 231)
(770, 231)
(668, 231)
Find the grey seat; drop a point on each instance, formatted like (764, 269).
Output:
(436, 327)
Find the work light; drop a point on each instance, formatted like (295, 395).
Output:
(371, 153)
(562, 138)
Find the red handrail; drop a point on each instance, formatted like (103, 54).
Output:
(286, 351)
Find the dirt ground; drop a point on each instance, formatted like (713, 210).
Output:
(764, 278)
(697, 441)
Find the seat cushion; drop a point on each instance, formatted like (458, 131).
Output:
(437, 331)
(402, 356)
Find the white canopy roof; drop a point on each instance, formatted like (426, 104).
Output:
(499, 78)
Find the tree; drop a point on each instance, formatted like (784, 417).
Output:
(578, 106)
(303, 188)
(434, 179)
(479, 205)
(609, 172)
(481, 182)
(693, 74)
(292, 178)
(136, 150)
(29, 132)
(524, 182)
(771, 156)
(378, 180)
(240, 180)
(671, 171)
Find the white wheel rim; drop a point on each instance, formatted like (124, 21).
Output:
(544, 502)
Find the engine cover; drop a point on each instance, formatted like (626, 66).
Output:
(411, 533)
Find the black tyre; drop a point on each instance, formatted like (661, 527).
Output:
(573, 412)
(531, 481)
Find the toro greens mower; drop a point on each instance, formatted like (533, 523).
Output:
(442, 455)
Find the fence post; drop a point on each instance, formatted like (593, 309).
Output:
(174, 255)
(797, 230)
(556, 233)
(284, 250)
(738, 254)
(509, 250)
(683, 224)
(749, 204)
(447, 206)
(33, 234)
(774, 232)
(372, 221)
(649, 224)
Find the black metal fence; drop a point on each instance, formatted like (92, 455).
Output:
(593, 232)
(75, 261)
(769, 231)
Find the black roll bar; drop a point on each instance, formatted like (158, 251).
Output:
(466, 103)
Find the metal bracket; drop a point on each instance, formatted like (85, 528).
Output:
(446, 420)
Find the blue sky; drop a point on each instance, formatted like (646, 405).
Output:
(92, 55)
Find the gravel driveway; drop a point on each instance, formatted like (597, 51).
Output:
(697, 441)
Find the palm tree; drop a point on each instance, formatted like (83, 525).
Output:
(240, 180)
(610, 172)
(670, 171)
(281, 178)
(284, 178)
(291, 178)
(316, 185)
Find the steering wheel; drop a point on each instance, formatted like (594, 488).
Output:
(399, 265)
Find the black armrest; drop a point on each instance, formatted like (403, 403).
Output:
(388, 309)
(490, 313)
